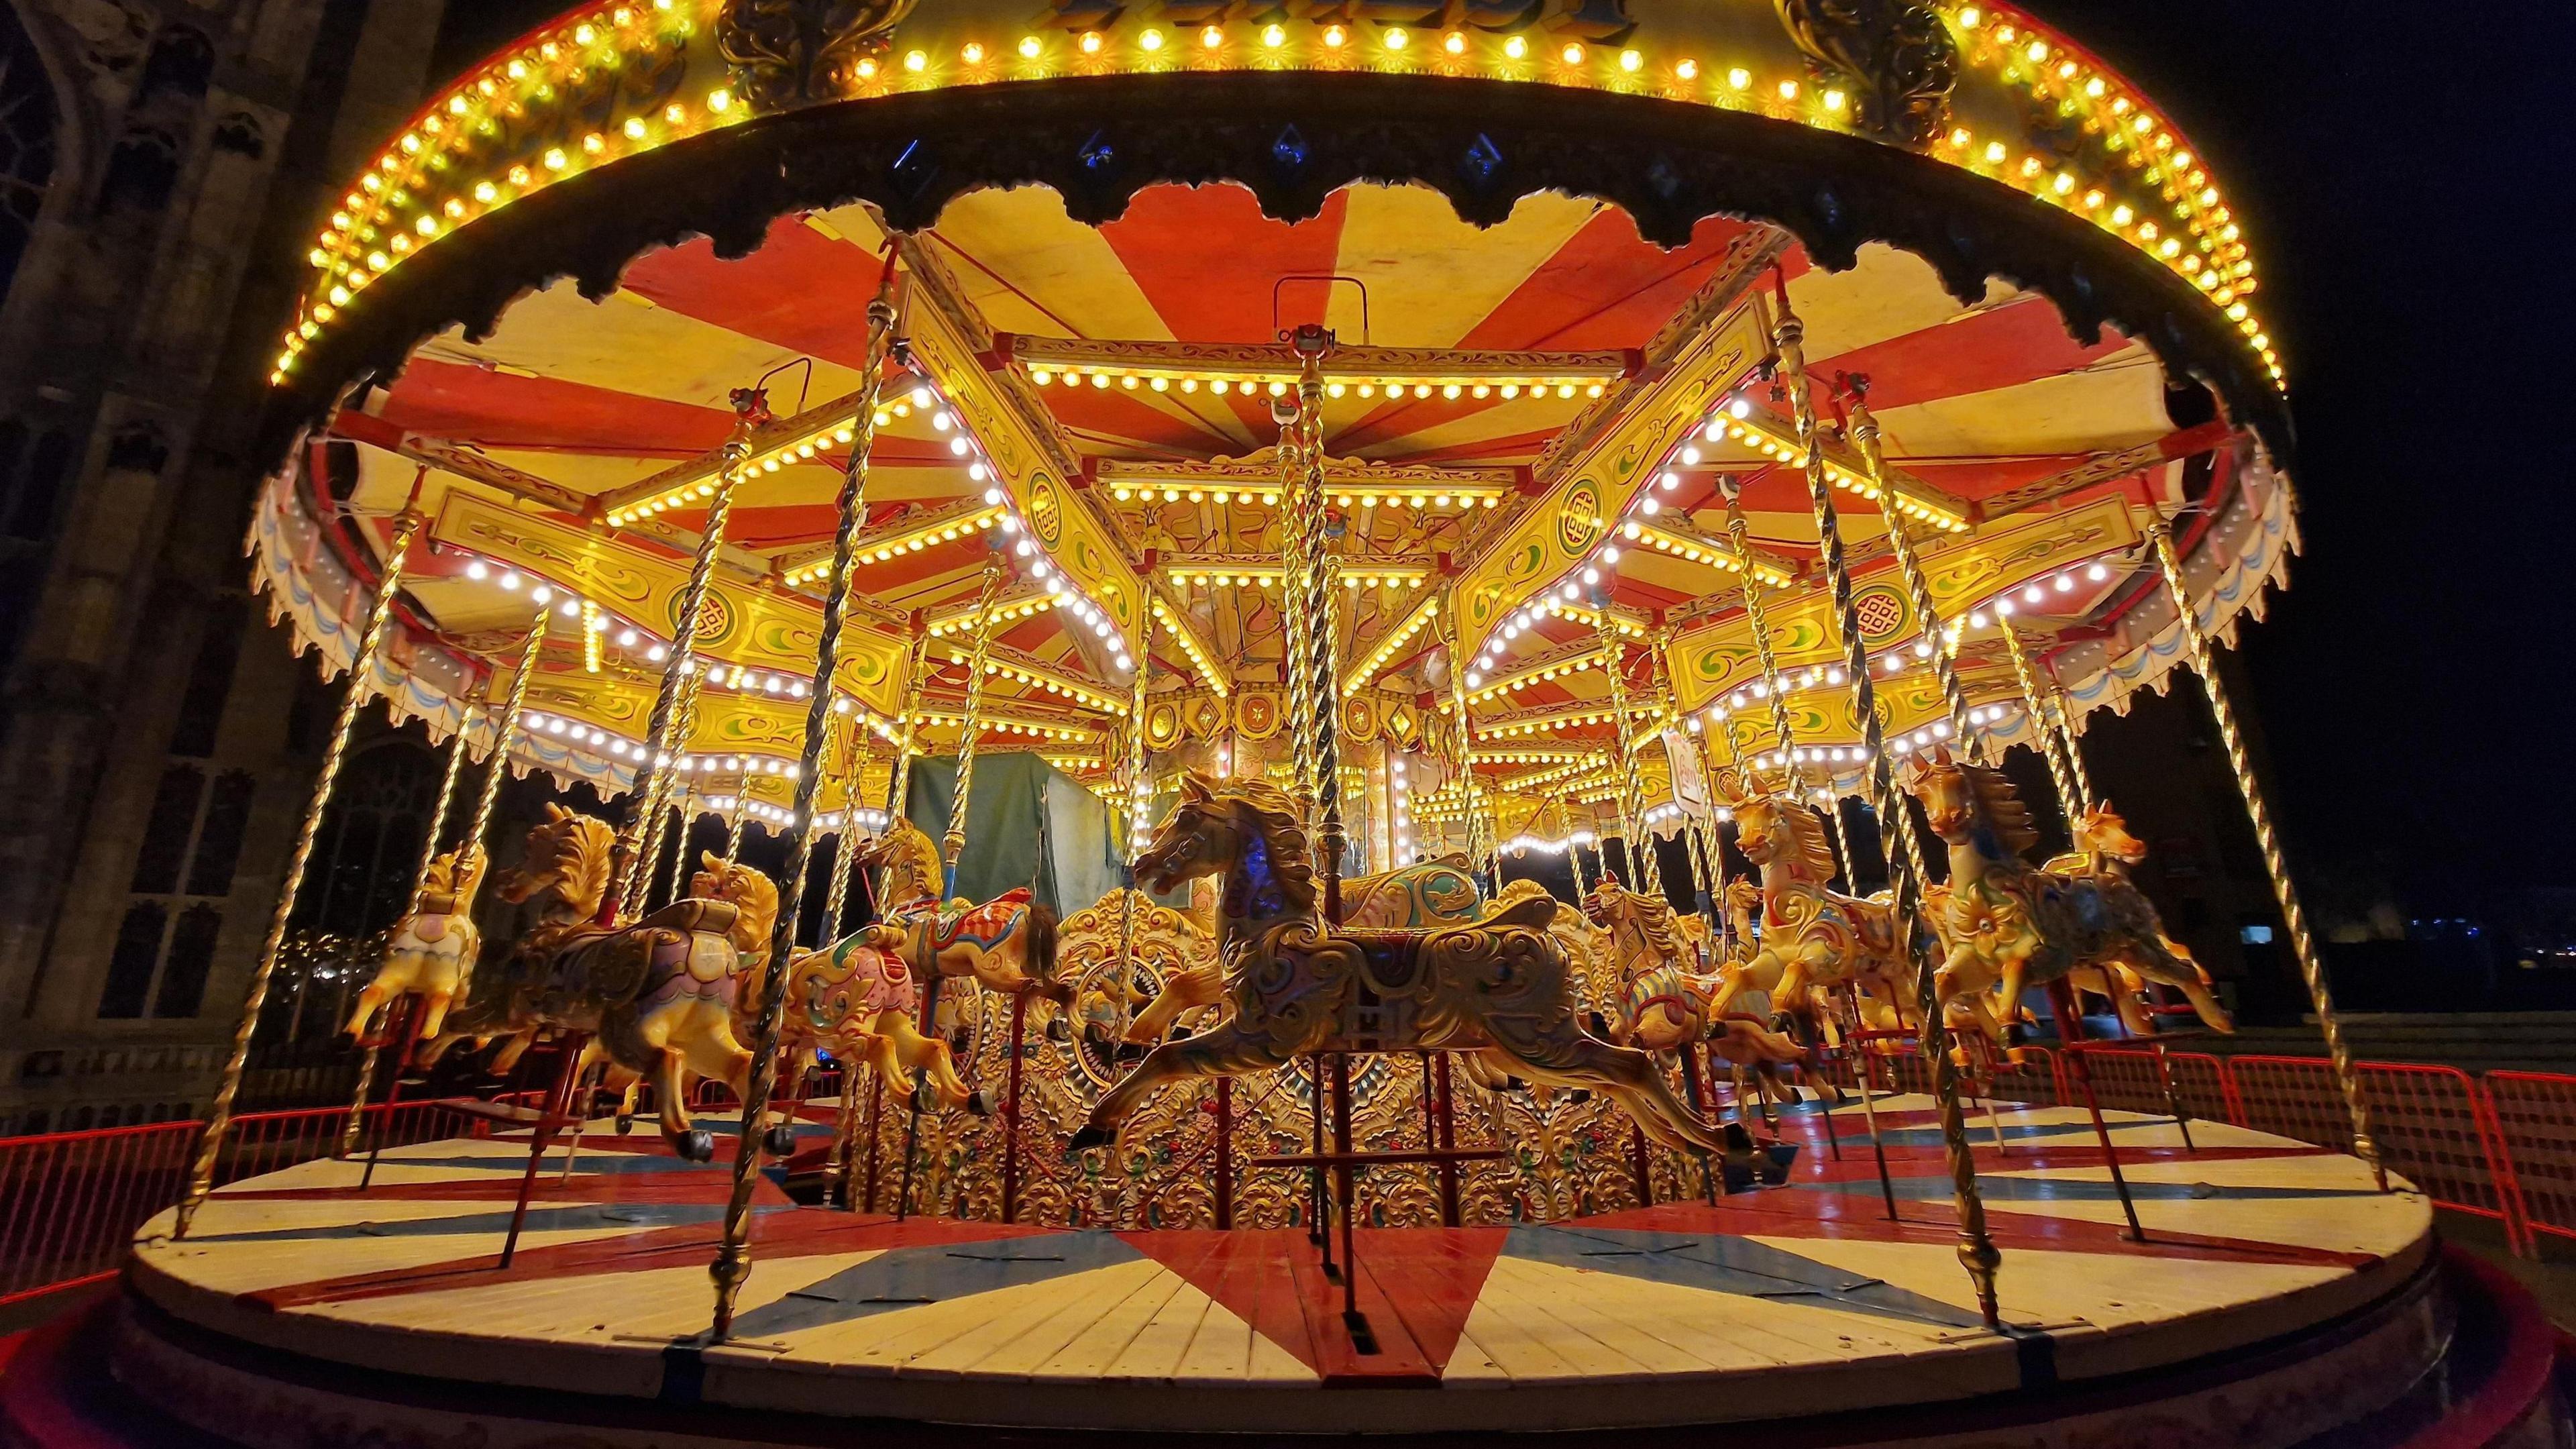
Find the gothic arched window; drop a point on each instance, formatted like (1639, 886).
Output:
(27, 120)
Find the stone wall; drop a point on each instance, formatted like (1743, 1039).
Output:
(154, 734)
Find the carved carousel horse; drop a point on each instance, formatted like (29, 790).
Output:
(2011, 926)
(1499, 987)
(1006, 944)
(659, 995)
(1812, 938)
(1665, 1006)
(1429, 893)
(433, 949)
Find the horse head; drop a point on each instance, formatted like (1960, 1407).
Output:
(1960, 799)
(753, 895)
(567, 855)
(2103, 832)
(1775, 832)
(1237, 829)
(910, 859)
(451, 877)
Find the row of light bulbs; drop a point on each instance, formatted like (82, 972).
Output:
(1430, 499)
(441, 139)
(1281, 386)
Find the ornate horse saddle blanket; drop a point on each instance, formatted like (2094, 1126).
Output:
(852, 980)
(986, 926)
(593, 970)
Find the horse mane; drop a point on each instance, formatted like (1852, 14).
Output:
(579, 850)
(1654, 918)
(1999, 803)
(908, 846)
(1811, 855)
(1273, 815)
(755, 898)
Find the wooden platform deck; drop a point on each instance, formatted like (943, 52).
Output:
(1785, 1303)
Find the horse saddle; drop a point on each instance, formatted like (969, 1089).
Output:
(958, 920)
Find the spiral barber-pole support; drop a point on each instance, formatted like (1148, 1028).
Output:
(1909, 565)
(411, 907)
(362, 665)
(1318, 589)
(2258, 810)
(733, 1259)
(683, 728)
(955, 842)
(2072, 799)
(1977, 1250)
(1300, 538)
(662, 743)
(1471, 790)
(1632, 776)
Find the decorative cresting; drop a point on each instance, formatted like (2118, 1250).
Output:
(1901, 58)
(790, 53)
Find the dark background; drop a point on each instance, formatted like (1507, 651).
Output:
(2402, 173)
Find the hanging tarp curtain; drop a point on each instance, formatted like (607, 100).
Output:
(1029, 825)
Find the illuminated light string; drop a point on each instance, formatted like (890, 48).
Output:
(1064, 595)
(1256, 382)
(870, 821)
(423, 187)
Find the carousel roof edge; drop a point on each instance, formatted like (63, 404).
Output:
(630, 126)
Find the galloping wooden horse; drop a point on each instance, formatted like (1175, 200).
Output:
(433, 949)
(1499, 987)
(2012, 926)
(1663, 1004)
(1812, 936)
(659, 994)
(1429, 893)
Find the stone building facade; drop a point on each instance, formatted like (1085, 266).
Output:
(161, 162)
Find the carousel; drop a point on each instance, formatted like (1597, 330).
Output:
(1180, 521)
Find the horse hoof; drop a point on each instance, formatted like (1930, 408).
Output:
(1739, 1142)
(924, 1097)
(960, 1042)
(696, 1145)
(1579, 1096)
(625, 1123)
(984, 1102)
(1735, 1175)
(1059, 1030)
(1783, 1024)
(1597, 1024)
(780, 1140)
(1515, 1084)
(1774, 1163)
(1088, 1138)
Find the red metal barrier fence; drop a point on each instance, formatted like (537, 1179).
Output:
(70, 1202)
(2502, 1146)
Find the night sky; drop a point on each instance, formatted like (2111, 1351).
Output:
(2395, 169)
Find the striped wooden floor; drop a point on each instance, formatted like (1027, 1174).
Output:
(1784, 1302)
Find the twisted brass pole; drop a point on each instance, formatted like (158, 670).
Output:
(1323, 617)
(1927, 613)
(1298, 545)
(1471, 792)
(1631, 794)
(899, 779)
(2312, 966)
(733, 1259)
(503, 735)
(411, 907)
(2072, 800)
(219, 1119)
(1737, 534)
(662, 749)
(1977, 1252)
(683, 815)
(955, 842)
(844, 854)
(1135, 777)
(684, 727)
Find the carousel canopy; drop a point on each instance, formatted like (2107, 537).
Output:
(1552, 243)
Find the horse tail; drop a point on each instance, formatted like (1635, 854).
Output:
(1041, 950)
